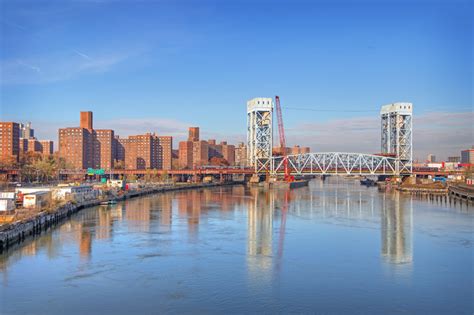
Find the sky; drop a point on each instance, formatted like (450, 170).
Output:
(161, 66)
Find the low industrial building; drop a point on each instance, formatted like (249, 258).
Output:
(37, 199)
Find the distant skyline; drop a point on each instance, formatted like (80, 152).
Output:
(161, 66)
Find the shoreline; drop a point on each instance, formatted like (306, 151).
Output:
(18, 232)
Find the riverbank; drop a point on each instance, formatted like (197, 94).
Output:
(462, 192)
(17, 232)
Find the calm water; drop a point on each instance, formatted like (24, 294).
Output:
(337, 247)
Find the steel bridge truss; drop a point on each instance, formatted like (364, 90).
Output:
(337, 163)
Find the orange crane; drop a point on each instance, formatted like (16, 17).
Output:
(281, 132)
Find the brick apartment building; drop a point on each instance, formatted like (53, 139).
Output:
(185, 154)
(47, 147)
(193, 134)
(228, 152)
(141, 152)
(299, 150)
(104, 148)
(9, 141)
(241, 155)
(165, 154)
(29, 143)
(85, 147)
(75, 146)
(193, 152)
(200, 153)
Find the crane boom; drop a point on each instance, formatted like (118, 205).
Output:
(281, 132)
(281, 129)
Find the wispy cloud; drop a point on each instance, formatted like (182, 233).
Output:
(32, 67)
(82, 54)
(14, 25)
(57, 66)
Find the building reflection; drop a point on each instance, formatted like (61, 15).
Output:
(105, 223)
(189, 208)
(166, 206)
(137, 214)
(85, 243)
(260, 235)
(397, 229)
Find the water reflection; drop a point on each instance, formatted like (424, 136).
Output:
(251, 239)
(397, 229)
(334, 202)
(260, 233)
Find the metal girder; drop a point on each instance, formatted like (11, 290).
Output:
(338, 163)
(259, 132)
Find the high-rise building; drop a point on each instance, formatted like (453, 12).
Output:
(47, 147)
(83, 147)
(120, 145)
(228, 152)
(104, 149)
(9, 141)
(186, 154)
(26, 131)
(165, 152)
(86, 120)
(147, 151)
(29, 143)
(215, 150)
(259, 131)
(23, 145)
(431, 158)
(193, 134)
(200, 153)
(34, 145)
(76, 147)
(454, 159)
(142, 152)
(241, 155)
(467, 156)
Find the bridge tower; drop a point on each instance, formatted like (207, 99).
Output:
(259, 132)
(397, 133)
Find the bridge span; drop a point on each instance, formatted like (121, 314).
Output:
(337, 163)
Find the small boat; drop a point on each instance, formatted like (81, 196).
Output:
(368, 182)
(108, 202)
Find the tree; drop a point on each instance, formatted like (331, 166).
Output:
(164, 176)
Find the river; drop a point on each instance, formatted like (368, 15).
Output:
(333, 247)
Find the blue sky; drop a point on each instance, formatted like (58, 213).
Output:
(163, 65)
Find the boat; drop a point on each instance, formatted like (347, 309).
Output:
(108, 202)
(368, 182)
(294, 184)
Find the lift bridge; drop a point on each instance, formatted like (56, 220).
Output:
(394, 160)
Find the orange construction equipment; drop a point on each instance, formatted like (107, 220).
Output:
(281, 132)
